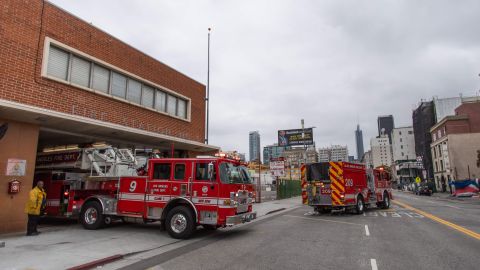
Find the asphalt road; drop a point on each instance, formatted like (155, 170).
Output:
(431, 236)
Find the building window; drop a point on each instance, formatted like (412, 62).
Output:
(436, 166)
(119, 85)
(401, 146)
(161, 101)
(410, 132)
(441, 164)
(67, 65)
(58, 63)
(101, 78)
(171, 105)
(439, 150)
(80, 72)
(148, 96)
(402, 154)
(134, 93)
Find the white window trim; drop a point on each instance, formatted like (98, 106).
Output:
(46, 47)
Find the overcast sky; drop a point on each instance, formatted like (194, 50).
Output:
(332, 63)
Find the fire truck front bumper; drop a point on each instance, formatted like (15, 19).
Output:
(241, 218)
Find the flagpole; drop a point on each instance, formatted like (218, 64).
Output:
(207, 99)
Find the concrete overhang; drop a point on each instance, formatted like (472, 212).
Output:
(62, 123)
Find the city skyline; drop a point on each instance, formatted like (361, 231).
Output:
(236, 62)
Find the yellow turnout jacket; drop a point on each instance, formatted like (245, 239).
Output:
(34, 203)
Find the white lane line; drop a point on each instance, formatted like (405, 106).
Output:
(373, 262)
(453, 206)
(367, 232)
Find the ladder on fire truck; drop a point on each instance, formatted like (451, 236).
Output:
(111, 162)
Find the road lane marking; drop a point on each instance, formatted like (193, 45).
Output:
(442, 221)
(327, 220)
(453, 207)
(373, 262)
(367, 232)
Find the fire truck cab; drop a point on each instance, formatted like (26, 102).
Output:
(181, 193)
(330, 186)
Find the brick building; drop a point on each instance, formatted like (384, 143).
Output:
(455, 145)
(66, 82)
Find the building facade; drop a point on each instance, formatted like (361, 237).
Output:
(403, 144)
(385, 123)
(272, 151)
(359, 142)
(455, 146)
(381, 151)
(65, 82)
(423, 118)
(254, 145)
(367, 159)
(333, 153)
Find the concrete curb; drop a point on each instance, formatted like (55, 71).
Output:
(276, 210)
(96, 263)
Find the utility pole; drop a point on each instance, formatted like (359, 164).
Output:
(259, 192)
(207, 99)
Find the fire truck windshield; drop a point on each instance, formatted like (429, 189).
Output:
(233, 174)
(318, 172)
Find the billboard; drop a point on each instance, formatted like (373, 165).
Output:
(292, 137)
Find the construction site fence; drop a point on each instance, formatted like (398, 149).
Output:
(288, 189)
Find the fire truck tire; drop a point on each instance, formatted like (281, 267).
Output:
(386, 201)
(180, 223)
(360, 206)
(91, 216)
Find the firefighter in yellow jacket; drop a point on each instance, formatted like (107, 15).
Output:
(36, 203)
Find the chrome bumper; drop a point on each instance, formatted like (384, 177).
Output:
(241, 218)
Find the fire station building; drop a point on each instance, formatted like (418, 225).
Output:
(65, 83)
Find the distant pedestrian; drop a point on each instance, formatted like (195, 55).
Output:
(36, 203)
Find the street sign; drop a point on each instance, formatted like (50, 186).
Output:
(277, 166)
(418, 180)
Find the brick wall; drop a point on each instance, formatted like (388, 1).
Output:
(21, 51)
(472, 110)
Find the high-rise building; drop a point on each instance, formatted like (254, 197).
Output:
(359, 142)
(385, 123)
(272, 151)
(333, 153)
(403, 144)
(254, 145)
(423, 119)
(381, 151)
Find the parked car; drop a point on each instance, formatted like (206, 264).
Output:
(424, 189)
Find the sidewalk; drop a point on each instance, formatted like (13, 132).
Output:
(65, 246)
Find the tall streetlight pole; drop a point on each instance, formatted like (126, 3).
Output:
(207, 99)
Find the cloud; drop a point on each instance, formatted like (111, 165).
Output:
(332, 63)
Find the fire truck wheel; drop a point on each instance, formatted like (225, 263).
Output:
(180, 223)
(360, 207)
(386, 201)
(209, 227)
(91, 216)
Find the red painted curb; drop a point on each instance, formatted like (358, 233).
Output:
(95, 263)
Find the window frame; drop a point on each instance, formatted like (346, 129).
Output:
(161, 163)
(49, 42)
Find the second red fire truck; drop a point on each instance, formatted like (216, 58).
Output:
(330, 186)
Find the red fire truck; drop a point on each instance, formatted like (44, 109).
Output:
(330, 186)
(181, 193)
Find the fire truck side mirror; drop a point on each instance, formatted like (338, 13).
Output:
(210, 171)
(14, 187)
